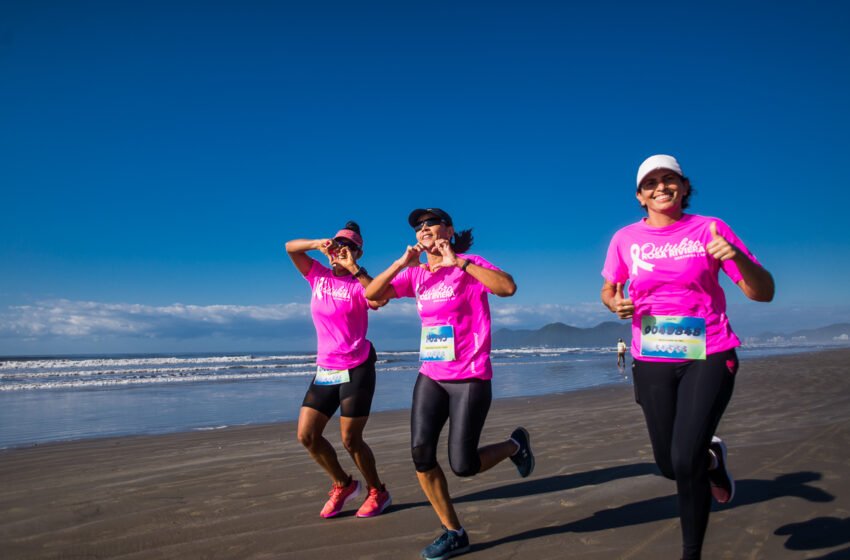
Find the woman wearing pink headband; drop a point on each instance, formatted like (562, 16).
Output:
(683, 348)
(345, 372)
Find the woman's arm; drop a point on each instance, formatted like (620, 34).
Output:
(346, 259)
(497, 281)
(615, 300)
(380, 288)
(756, 282)
(297, 251)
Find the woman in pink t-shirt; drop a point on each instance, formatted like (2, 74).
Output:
(345, 366)
(451, 292)
(683, 348)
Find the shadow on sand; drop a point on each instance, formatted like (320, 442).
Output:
(749, 491)
(547, 485)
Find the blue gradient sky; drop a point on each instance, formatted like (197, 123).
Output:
(155, 156)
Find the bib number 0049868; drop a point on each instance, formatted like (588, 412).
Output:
(672, 336)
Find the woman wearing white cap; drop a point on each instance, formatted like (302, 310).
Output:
(683, 348)
(345, 372)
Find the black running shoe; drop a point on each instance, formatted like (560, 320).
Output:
(524, 458)
(722, 483)
(446, 545)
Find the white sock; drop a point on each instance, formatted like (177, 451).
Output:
(714, 463)
(518, 446)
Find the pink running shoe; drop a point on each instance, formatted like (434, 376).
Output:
(376, 502)
(338, 496)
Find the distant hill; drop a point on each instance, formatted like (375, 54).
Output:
(559, 335)
(838, 333)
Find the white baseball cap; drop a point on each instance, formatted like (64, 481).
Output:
(659, 161)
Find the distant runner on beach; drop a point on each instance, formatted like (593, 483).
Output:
(345, 366)
(621, 352)
(683, 348)
(451, 292)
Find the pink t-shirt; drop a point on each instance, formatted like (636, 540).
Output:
(671, 273)
(339, 311)
(450, 296)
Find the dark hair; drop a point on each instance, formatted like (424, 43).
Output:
(685, 199)
(462, 241)
(352, 225)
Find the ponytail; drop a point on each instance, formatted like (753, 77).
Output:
(462, 241)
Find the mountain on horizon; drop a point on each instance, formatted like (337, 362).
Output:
(560, 335)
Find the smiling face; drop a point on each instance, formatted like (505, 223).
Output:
(431, 228)
(662, 192)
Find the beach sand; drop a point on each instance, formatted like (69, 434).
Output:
(253, 492)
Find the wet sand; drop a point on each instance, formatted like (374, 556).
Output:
(253, 492)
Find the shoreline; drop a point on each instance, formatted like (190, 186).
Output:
(253, 492)
(30, 419)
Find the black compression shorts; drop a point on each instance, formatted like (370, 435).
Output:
(354, 398)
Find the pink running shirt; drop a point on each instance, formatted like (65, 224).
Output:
(671, 273)
(339, 311)
(450, 296)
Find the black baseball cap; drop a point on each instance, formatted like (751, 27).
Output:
(416, 214)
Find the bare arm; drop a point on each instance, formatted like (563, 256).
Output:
(297, 251)
(614, 299)
(345, 258)
(756, 282)
(497, 281)
(380, 287)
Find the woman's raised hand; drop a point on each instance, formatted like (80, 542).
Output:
(449, 259)
(410, 257)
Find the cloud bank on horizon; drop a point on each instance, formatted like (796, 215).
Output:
(67, 326)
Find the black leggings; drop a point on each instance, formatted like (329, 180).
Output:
(355, 397)
(682, 404)
(466, 403)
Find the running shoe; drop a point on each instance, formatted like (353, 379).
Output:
(446, 545)
(338, 496)
(524, 458)
(376, 502)
(722, 483)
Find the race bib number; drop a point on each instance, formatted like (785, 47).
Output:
(331, 376)
(437, 344)
(670, 336)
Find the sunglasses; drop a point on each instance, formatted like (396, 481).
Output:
(347, 243)
(429, 222)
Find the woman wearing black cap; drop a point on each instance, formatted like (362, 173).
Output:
(345, 373)
(454, 381)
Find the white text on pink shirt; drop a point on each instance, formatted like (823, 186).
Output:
(341, 293)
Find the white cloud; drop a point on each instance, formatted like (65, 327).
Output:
(65, 318)
(50, 324)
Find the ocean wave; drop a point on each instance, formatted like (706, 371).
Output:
(129, 381)
(66, 363)
(147, 371)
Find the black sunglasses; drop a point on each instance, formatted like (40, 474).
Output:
(350, 245)
(429, 222)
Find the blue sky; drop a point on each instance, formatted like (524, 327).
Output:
(155, 156)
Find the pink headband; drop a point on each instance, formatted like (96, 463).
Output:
(352, 235)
